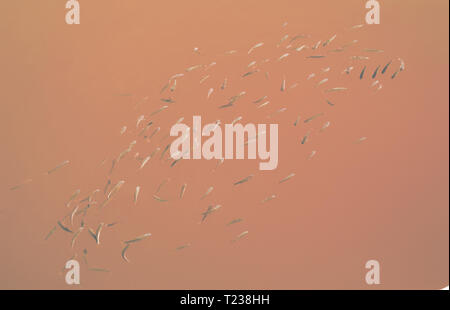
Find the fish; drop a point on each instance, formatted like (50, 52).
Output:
(373, 50)
(124, 250)
(296, 121)
(260, 99)
(312, 118)
(271, 197)
(315, 56)
(263, 104)
(246, 179)
(335, 89)
(192, 68)
(283, 56)
(50, 233)
(361, 76)
(322, 82)
(235, 221)
(254, 47)
(161, 185)
(20, 185)
(136, 194)
(374, 75)
(204, 79)
(146, 159)
(167, 100)
(159, 110)
(386, 67)
(312, 154)
(237, 119)
(64, 163)
(287, 178)
(326, 125)
(283, 84)
(157, 198)
(64, 227)
(74, 195)
(250, 73)
(183, 190)
(329, 40)
(210, 210)
(241, 235)
(224, 84)
(108, 183)
(139, 238)
(75, 236)
(183, 246)
(208, 191)
(210, 91)
(115, 188)
(122, 131)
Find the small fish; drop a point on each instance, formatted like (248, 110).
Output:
(183, 246)
(208, 191)
(287, 178)
(316, 56)
(361, 140)
(192, 68)
(263, 104)
(167, 100)
(64, 163)
(254, 47)
(210, 91)
(20, 185)
(372, 50)
(296, 121)
(210, 210)
(183, 190)
(329, 40)
(146, 159)
(64, 227)
(386, 67)
(322, 82)
(122, 131)
(124, 253)
(241, 235)
(235, 221)
(330, 103)
(260, 99)
(159, 110)
(115, 189)
(361, 76)
(246, 179)
(204, 79)
(139, 238)
(326, 125)
(359, 58)
(312, 154)
(50, 233)
(283, 84)
(74, 195)
(237, 119)
(75, 236)
(224, 84)
(374, 75)
(283, 56)
(136, 194)
(271, 197)
(312, 117)
(335, 89)
(250, 73)
(305, 138)
(157, 198)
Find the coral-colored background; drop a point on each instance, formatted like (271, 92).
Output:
(385, 199)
